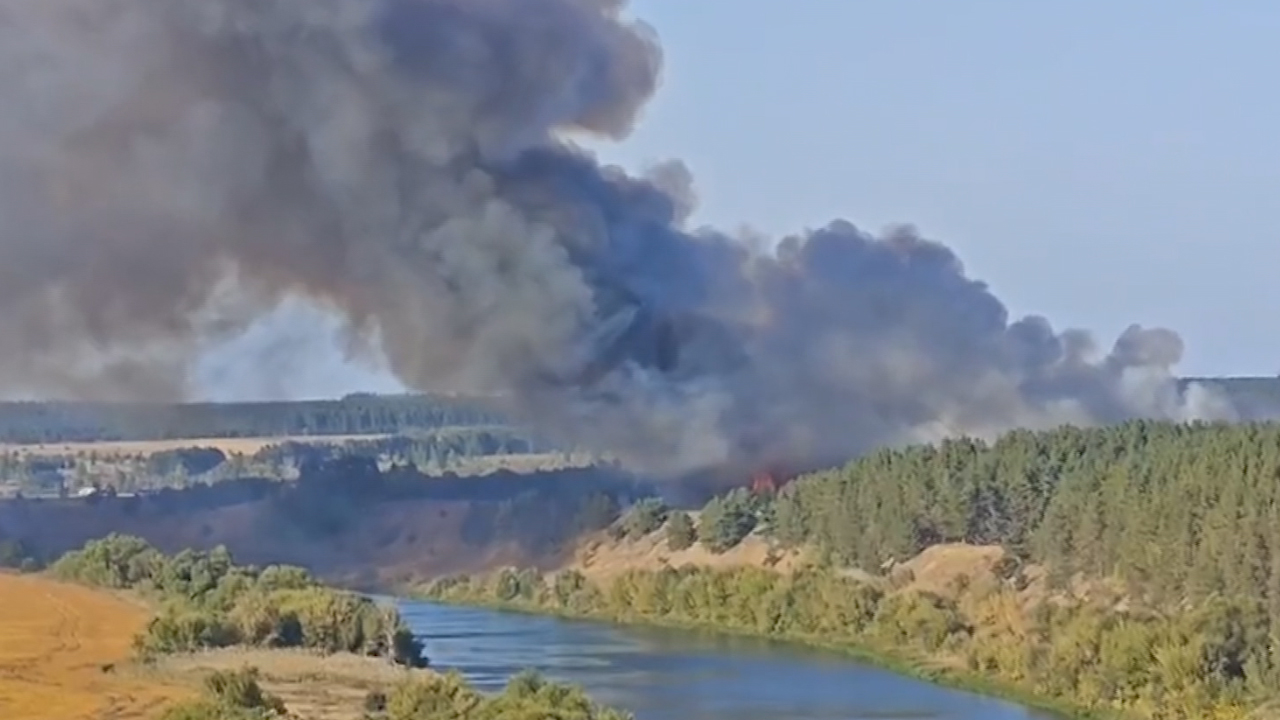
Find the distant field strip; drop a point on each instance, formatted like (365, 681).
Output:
(59, 646)
(110, 448)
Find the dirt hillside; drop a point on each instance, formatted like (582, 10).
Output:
(602, 558)
(947, 570)
(385, 544)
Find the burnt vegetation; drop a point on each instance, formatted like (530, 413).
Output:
(334, 499)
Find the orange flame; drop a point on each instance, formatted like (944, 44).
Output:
(762, 482)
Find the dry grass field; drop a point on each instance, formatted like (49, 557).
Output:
(314, 687)
(113, 448)
(64, 653)
(603, 559)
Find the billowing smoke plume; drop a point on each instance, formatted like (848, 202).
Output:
(172, 169)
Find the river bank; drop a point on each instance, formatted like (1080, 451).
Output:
(662, 673)
(67, 653)
(908, 665)
(136, 633)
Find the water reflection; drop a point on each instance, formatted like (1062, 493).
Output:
(662, 674)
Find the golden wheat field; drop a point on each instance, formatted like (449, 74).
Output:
(116, 448)
(63, 652)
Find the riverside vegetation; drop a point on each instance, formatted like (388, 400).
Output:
(1139, 576)
(207, 601)
(237, 695)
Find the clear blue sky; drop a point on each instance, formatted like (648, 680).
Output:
(1099, 163)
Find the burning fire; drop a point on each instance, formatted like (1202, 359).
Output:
(764, 482)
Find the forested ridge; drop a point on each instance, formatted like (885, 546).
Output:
(355, 414)
(358, 414)
(1178, 512)
(1141, 572)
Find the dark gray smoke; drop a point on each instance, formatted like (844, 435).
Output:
(172, 169)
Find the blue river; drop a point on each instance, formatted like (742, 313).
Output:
(664, 674)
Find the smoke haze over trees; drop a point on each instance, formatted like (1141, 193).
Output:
(43, 422)
(171, 170)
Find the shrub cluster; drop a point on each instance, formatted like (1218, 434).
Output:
(15, 555)
(237, 695)
(526, 696)
(208, 601)
(230, 695)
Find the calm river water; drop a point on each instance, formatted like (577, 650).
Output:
(664, 674)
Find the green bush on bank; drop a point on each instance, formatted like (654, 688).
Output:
(526, 696)
(207, 601)
(15, 555)
(229, 695)
(728, 519)
(681, 532)
(644, 517)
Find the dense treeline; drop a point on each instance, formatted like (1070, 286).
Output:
(434, 450)
(361, 414)
(208, 601)
(237, 695)
(356, 414)
(1186, 517)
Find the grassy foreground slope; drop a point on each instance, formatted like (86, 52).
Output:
(58, 643)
